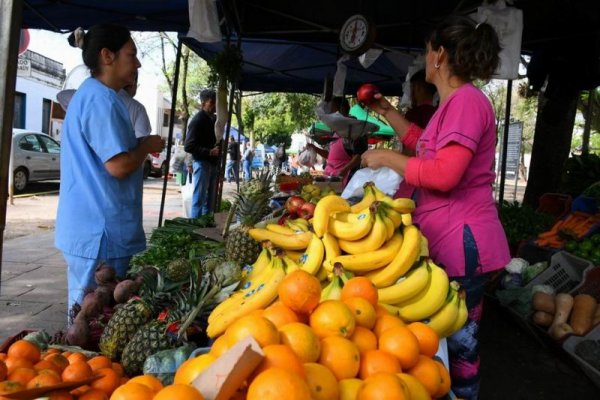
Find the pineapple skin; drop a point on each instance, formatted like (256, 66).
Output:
(148, 340)
(122, 326)
(240, 247)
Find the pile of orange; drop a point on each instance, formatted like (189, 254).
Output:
(337, 349)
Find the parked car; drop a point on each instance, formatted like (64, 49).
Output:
(36, 157)
(156, 163)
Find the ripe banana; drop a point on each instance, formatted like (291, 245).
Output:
(379, 195)
(463, 315)
(294, 255)
(430, 300)
(406, 219)
(404, 259)
(259, 295)
(373, 241)
(356, 228)
(321, 274)
(389, 224)
(326, 207)
(390, 308)
(312, 259)
(367, 200)
(424, 246)
(298, 241)
(392, 214)
(284, 230)
(371, 260)
(407, 287)
(249, 272)
(333, 291)
(332, 250)
(298, 225)
(401, 205)
(443, 320)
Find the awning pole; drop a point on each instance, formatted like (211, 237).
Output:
(505, 139)
(171, 125)
(585, 141)
(223, 160)
(10, 25)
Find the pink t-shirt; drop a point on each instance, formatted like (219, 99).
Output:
(337, 159)
(466, 118)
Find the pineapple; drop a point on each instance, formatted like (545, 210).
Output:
(149, 339)
(250, 206)
(178, 270)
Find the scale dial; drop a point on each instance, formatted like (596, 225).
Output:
(356, 35)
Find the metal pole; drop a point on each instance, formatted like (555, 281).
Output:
(171, 125)
(505, 139)
(585, 141)
(11, 19)
(223, 160)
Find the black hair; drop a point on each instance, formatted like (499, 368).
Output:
(472, 49)
(418, 78)
(340, 104)
(98, 37)
(208, 94)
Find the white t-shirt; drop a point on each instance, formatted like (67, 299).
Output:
(137, 114)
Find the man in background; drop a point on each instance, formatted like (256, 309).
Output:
(421, 94)
(232, 168)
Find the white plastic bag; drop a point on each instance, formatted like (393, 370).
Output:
(187, 193)
(386, 179)
(307, 157)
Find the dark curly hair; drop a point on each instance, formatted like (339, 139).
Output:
(472, 48)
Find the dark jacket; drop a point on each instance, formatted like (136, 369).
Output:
(200, 137)
(233, 149)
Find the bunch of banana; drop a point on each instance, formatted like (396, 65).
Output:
(326, 207)
(453, 314)
(286, 241)
(333, 290)
(298, 225)
(310, 192)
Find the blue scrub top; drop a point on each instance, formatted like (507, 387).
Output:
(94, 205)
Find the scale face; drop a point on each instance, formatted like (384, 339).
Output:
(357, 35)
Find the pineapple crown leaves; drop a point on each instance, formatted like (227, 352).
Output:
(251, 209)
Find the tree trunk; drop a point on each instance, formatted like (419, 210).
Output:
(551, 145)
(185, 108)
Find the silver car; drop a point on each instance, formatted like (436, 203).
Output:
(36, 157)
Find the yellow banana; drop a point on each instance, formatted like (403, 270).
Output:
(326, 207)
(249, 272)
(284, 230)
(312, 259)
(430, 300)
(333, 291)
(390, 308)
(463, 315)
(367, 200)
(332, 250)
(424, 246)
(379, 195)
(352, 230)
(373, 241)
(392, 214)
(371, 260)
(443, 320)
(287, 242)
(298, 224)
(407, 287)
(402, 262)
(294, 255)
(389, 224)
(259, 296)
(406, 219)
(321, 274)
(401, 205)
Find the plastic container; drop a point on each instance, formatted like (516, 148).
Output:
(569, 346)
(564, 274)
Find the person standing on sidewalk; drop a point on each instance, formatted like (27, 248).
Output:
(247, 161)
(202, 144)
(232, 168)
(99, 216)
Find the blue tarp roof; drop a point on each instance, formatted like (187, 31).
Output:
(239, 137)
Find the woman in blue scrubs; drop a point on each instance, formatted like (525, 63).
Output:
(100, 205)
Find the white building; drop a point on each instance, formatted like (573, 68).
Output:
(157, 104)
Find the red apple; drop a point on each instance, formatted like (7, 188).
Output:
(307, 210)
(294, 203)
(366, 93)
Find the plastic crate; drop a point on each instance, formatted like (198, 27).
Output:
(569, 346)
(564, 274)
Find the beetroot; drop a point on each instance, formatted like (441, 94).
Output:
(104, 274)
(77, 334)
(105, 293)
(91, 305)
(125, 289)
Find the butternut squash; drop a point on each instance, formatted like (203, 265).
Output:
(584, 308)
(563, 306)
(542, 318)
(544, 302)
(559, 331)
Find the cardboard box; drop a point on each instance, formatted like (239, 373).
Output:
(224, 377)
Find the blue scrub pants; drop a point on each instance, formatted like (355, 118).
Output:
(204, 179)
(247, 170)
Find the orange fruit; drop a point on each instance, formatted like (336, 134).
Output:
(415, 388)
(45, 364)
(429, 340)
(77, 371)
(302, 340)
(428, 373)
(385, 322)
(280, 315)
(149, 380)
(349, 388)
(50, 351)
(257, 313)
(80, 390)
(280, 356)
(46, 377)
(445, 380)
(363, 311)
(190, 369)
(374, 361)
(332, 318)
(383, 385)
(300, 291)
(178, 391)
(133, 391)
(219, 346)
(74, 357)
(14, 363)
(364, 339)
(261, 329)
(380, 310)
(278, 383)
(67, 353)
(59, 360)
(22, 375)
(402, 343)
(360, 286)
(109, 381)
(321, 382)
(118, 368)
(3, 371)
(60, 395)
(99, 362)
(95, 394)
(7, 387)
(24, 349)
(341, 356)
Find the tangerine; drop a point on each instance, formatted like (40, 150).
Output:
(280, 356)
(360, 286)
(383, 385)
(364, 339)
(402, 343)
(374, 361)
(415, 388)
(445, 380)
(94, 394)
(149, 380)
(278, 383)
(428, 373)
(108, 381)
(7, 387)
(219, 346)
(14, 363)
(178, 391)
(380, 310)
(300, 291)
(76, 372)
(74, 357)
(24, 349)
(321, 382)
(59, 360)
(133, 391)
(349, 388)
(45, 364)
(280, 315)
(302, 340)
(332, 318)
(190, 369)
(46, 377)
(364, 312)
(429, 340)
(99, 362)
(385, 322)
(22, 375)
(341, 356)
(261, 329)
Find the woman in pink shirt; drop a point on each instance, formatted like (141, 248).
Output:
(452, 175)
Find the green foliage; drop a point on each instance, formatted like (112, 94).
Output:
(226, 65)
(521, 222)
